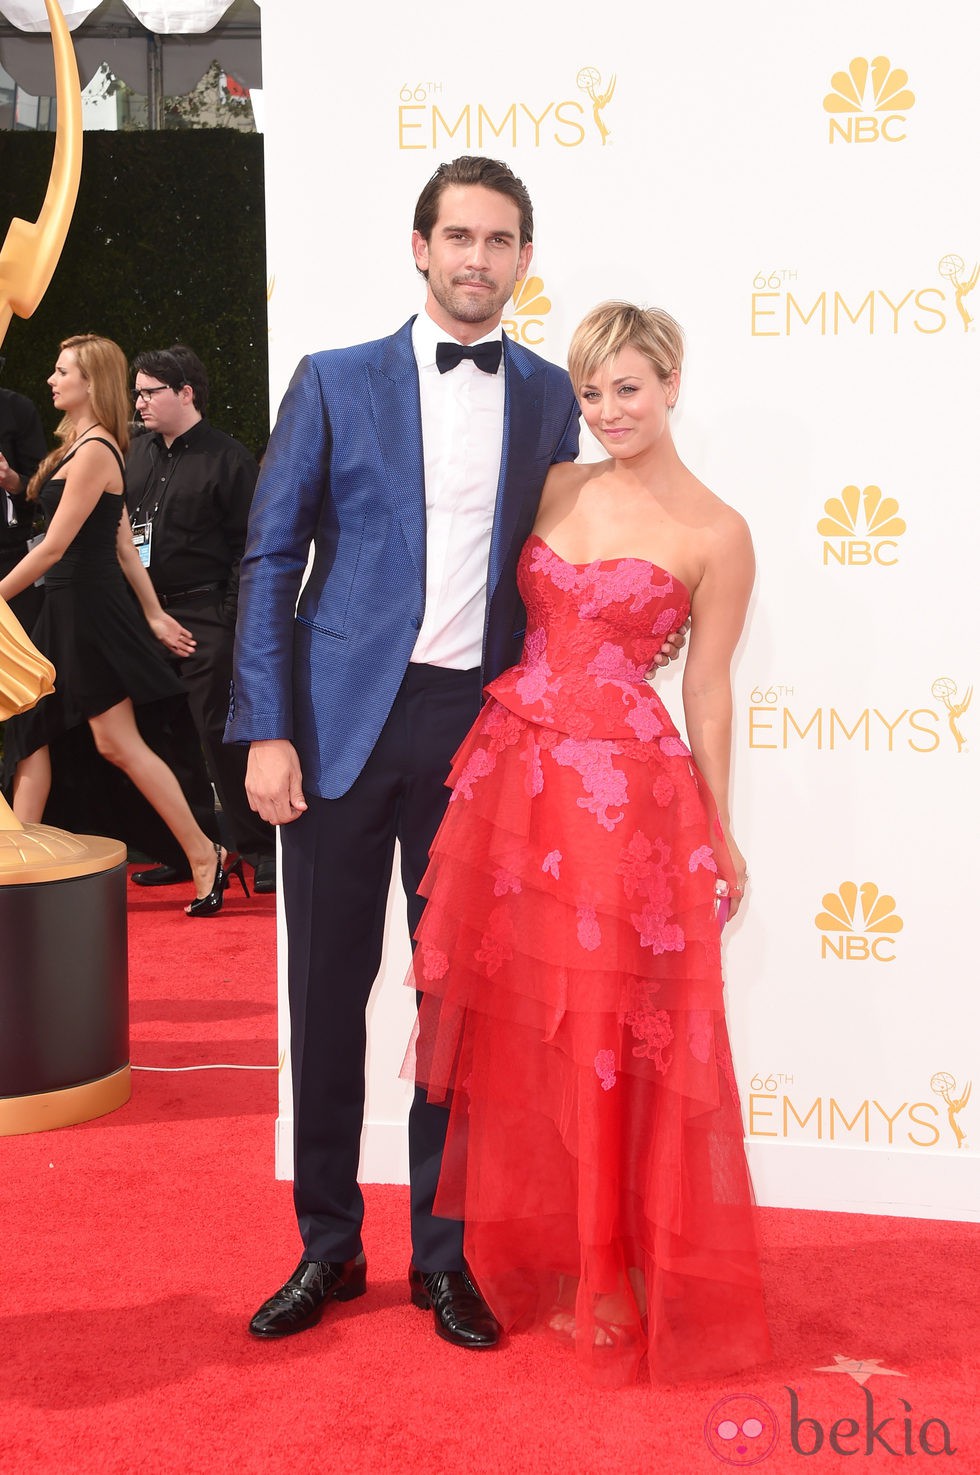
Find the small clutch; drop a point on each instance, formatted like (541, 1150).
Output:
(722, 902)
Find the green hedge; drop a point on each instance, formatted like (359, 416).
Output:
(167, 245)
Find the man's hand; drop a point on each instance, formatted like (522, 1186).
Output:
(9, 480)
(274, 782)
(673, 645)
(171, 633)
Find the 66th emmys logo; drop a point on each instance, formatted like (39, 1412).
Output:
(868, 102)
(860, 528)
(787, 1109)
(430, 118)
(785, 307)
(779, 720)
(526, 323)
(858, 923)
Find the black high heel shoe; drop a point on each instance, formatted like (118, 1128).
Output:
(210, 905)
(234, 869)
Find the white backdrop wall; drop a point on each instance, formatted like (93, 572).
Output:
(796, 185)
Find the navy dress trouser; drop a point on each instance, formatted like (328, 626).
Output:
(336, 870)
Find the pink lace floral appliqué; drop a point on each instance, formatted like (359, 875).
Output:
(605, 1068)
(631, 579)
(477, 766)
(654, 1031)
(505, 881)
(663, 790)
(551, 863)
(496, 943)
(435, 964)
(535, 684)
(587, 929)
(645, 721)
(656, 933)
(534, 777)
(703, 856)
(605, 785)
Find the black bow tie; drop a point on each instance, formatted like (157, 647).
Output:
(486, 356)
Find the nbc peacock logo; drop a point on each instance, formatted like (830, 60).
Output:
(531, 307)
(858, 923)
(869, 102)
(861, 528)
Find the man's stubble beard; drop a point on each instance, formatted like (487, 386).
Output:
(465, 310)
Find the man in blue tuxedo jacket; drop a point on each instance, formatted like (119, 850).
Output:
(414, 470)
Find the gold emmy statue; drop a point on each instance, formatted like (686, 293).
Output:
(30, 853)
(88, 981)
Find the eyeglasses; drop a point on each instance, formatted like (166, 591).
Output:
(147, 394)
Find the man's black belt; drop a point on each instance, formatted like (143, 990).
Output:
(177, 595)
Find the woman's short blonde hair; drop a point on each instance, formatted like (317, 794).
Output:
(613, 326)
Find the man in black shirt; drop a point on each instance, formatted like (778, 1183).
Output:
(22, 448)
(188, 490)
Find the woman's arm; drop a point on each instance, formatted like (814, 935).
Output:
(718, 608)
(166, 629)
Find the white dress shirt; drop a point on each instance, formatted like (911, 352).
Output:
(462, 440)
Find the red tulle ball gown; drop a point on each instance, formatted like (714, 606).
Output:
(570, 963)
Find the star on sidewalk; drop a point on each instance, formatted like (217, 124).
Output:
(860, 1369)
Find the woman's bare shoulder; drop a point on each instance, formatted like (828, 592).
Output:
(718, 517)
(564, 481)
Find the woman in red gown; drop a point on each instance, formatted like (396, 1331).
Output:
(569, 955)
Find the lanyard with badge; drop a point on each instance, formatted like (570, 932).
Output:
(143, 517)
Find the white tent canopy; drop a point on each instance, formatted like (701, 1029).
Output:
(164, 45)
(166, 17)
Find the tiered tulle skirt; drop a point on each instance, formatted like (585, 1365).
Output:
(570, 961)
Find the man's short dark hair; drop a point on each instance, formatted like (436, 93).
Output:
(472, 169)
(176, 366)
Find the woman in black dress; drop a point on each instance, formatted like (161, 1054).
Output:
(104, 656)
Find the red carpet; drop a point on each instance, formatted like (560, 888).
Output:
(134, 1248)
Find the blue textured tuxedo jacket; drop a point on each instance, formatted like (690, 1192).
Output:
(344, 469)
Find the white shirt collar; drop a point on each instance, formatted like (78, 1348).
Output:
(426, 334)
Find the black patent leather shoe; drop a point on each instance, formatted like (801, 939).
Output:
(300, 1302)
(161, 876)
(461, 1314)
(265, 875)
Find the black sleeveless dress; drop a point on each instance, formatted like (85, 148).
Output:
(92, 629)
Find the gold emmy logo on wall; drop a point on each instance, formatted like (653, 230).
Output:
(854, 939)
(860, 528)
(778, 1107)
(530, 307)
(600, 94)
(944, 689)
(431, 115)
(869, 102)
(945, 1086)
(776, 724)
(953, 268)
